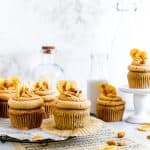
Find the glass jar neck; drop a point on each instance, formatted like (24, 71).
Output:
(47, 58)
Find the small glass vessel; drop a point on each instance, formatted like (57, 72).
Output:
(47, 67)
(98, 74)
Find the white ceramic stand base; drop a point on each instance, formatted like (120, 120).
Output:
(141, 100)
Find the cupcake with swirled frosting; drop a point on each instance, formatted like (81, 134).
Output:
(43, 89)
(139, 70)
(7, 91)
(71, 108)
(26, 109)
(109, 107)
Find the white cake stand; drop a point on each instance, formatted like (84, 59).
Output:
(141, 100)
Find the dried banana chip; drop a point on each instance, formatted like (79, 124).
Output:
(108, 147)
(70, 85)
(15, 80)
(134, 52)
(42, 84)
(37, 137)
(107, 89)
(138, 56)
(66, 85)
(61, 86)
(144, 127)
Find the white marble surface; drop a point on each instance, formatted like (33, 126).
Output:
(130, 130)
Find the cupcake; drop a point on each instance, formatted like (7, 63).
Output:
(43, 89)
(71, 108)
(109, 107)
(26, 109)
(7, 91)
(139, 71)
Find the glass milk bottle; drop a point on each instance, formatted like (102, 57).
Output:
(98, 74)
(47, 67)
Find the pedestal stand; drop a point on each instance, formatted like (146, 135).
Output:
(141, 100)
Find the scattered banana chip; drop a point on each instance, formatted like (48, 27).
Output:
(37, 137)
(148, 137)
(144, 127)
(108, 147)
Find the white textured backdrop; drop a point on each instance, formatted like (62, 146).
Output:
(76, 28)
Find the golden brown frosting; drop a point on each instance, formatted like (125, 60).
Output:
(47, 95)
(7, 94)
(108, 95)
(25, 99)
(110, 101)
(42, 88)
(139, 67)
(26, 102)
(69, 103)
(70, 97)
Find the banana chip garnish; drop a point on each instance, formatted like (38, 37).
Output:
(71, 85)
(42, 84)
(68, 87)
(138, 56)
(15, 80)
(23, 90)
(9, 83)
(61, 86)
(107, 89)
(2, 81)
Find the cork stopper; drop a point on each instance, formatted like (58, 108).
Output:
(48, 49)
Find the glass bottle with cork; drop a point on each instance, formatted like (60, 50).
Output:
(48, 68)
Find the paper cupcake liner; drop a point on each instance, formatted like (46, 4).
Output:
(71, 119)
(49, 108)
(26, 119)
(138, 80)
(48, 125)
(110, 114)
(4, 109)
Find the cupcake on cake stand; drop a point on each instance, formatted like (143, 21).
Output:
(139, 86)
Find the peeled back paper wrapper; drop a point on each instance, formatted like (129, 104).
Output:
(94, 124)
